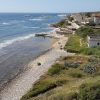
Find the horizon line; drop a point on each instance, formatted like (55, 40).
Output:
(52, 12)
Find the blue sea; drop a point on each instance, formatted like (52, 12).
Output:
(13, 26)
(18, 44)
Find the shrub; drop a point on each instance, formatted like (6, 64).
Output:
(89, 68)
(38, 63)
(60, 23)
(93, 60)
(89, 91)
(71, 65)
(55, 69)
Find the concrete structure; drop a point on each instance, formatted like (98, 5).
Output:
(65, 31)
(93, 40)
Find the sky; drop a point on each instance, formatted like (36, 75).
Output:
(44, 6)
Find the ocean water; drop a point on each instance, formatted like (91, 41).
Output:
(13, 26)
(18, 44)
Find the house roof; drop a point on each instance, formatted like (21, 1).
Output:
(96, 15)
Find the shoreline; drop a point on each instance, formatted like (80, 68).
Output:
(8, 81)
(20, 72)
(20, 85)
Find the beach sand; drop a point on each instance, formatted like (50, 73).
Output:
(21, 84)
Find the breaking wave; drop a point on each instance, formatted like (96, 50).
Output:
(9, 42)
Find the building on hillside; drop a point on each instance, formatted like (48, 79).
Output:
(96, 18)
(79, 18)
(93, 40)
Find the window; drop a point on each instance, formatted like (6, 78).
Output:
(98, 43)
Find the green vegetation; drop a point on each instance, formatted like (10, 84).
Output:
(89, 91)
(62, 23)
(55, 69)
(73, 77)
(73, 44)
(41, 87)
(77, 44)
(84, 31)
(87, 30)
(63, 82)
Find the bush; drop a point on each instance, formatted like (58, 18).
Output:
(55, 69)
(89, 68)
(89, 91)
(60, 23)
(38, 63)
(71, 65)
(93, 60)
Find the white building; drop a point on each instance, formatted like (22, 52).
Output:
(93, 40)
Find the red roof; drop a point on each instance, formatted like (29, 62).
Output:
(96, 15)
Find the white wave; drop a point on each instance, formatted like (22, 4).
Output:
(9, 42)
(36, 19)
(62, 15)
(4, 23)
(12, 22)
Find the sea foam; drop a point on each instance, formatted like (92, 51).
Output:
(62, 15)
(9, 42)
(36, 19)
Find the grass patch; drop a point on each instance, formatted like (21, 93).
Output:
(42, 87)
(55, 69)
(73, 44)
(77, 44)
(89, 91)
(76, 75)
